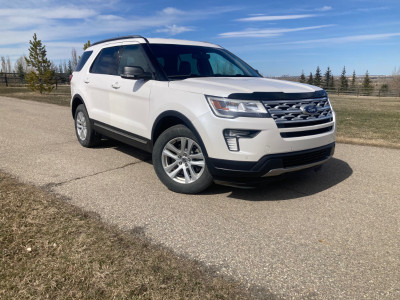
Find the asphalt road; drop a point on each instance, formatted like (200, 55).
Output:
(330, 234)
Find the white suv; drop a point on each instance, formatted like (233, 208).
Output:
(203, 113)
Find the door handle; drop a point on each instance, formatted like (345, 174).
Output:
(115, 85)
(86, 80)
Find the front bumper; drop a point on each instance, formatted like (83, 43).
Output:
(269, 165)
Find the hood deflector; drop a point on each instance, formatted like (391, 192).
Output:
(277, 95)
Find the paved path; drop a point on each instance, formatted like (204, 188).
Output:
(331, 234)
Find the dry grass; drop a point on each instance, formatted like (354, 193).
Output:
(368, 120)
(61, 96)
(52, 250)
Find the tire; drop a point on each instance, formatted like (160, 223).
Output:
(87, 137)
(180, 162)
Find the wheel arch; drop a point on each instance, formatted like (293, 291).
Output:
(171, 118)
(76, 101)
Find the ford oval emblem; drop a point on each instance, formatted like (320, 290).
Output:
(309, 109)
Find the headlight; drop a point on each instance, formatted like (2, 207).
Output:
(232, 108)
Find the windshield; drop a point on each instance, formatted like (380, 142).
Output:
(183, 61)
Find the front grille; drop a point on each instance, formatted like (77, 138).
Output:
(306, 158)
(287, 113)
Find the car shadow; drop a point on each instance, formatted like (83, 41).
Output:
(292, 185)
(285, 187)
(124, 148)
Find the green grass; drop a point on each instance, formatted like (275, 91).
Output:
(50, 249)
(368, 120)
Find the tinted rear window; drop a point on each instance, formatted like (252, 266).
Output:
(83, 60)
(107, 61)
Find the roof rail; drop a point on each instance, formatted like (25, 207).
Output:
(120, 38)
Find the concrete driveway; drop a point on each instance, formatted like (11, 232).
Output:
(330, 234)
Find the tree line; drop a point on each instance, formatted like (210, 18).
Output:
(328, 82)
(37, 70)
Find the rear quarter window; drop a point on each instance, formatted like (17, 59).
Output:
(85, 56)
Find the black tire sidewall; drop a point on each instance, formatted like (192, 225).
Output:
(91, 139)
(200, 184)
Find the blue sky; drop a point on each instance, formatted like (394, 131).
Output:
(275, 37)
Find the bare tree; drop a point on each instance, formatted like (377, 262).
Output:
(20, 68)
(9, 69)
(396, 80)
(74, 61)
(65, 69)
(3, 65)
(20, 64)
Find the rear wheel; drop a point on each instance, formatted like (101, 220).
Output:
(179, 161)
(87, 137)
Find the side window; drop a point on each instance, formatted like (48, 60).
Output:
(83, 60)
(133, 56)
(106, 62)
(221, 66)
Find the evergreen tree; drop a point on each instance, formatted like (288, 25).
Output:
(353, 81)
(41, 77)
(302, 77)
(310, 79)
(384, 89)
(344, 83)
(332, 82)
(86, 45)
(367, 85)
(327, 78)
(318, 77)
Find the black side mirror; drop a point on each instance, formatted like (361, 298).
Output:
(134, 72)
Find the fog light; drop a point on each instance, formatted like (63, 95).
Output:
(232, 137)
(232, 143)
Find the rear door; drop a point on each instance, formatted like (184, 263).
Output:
(100, 82)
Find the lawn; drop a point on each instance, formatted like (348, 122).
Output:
(53, 250)
(368, 120)
(59, 96)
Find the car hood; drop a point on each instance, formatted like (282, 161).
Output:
(224, 86)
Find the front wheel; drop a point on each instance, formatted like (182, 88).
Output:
(179, 161)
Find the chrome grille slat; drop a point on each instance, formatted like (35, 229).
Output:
(287, 113)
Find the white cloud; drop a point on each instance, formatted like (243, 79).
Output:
(50, 13)
(324, 8)
(174, 29)
(275, 18)
(80, 21)
(172, 11)
(349, 39)
(256, 33)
